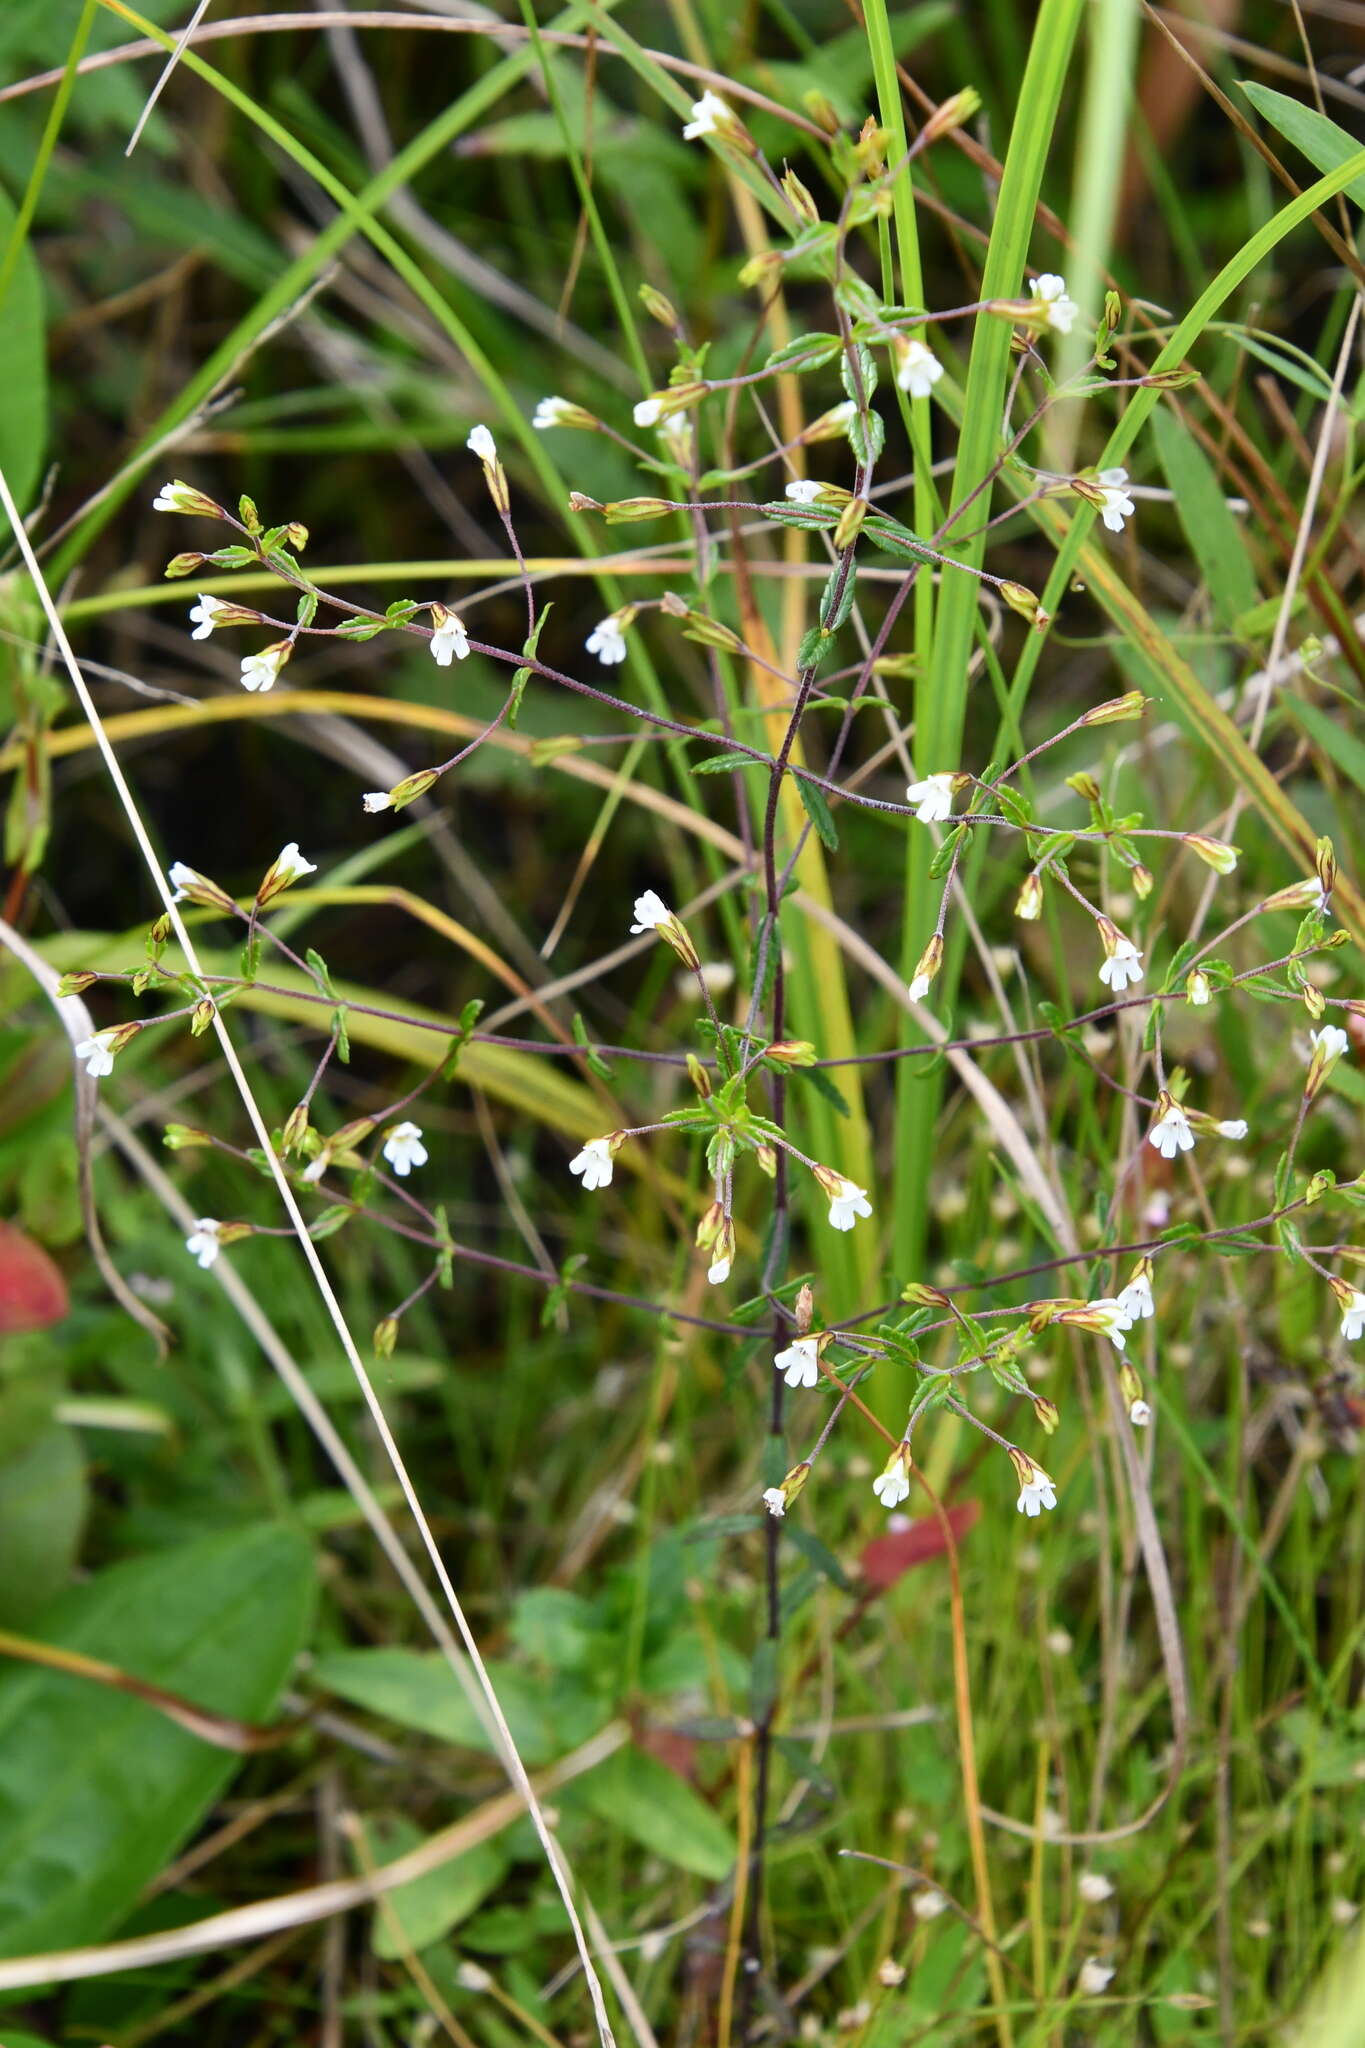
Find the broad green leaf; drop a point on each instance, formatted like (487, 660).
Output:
(98, 1791)
(645, 1800)
(42, 1511)
(430, 1906)
(23, 371)
(1213, 533)
(1341, 746)
(1321, 141)
(418, 1689)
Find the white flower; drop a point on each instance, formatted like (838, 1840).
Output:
(775, 1501)
(718, 1272)
(1118, 506)
(313, 1172)
(1331, 1042)
(1113, 1318)
(919, 988)
(1233, 1127)
(607, 642)
(1135, 1299)
(1036, 1493)
(178, 497)
(804, 491)
(482, 444)
(449, 642)
(934, 796)
(648, 412)
(847, 1204)
(1094, 1977)
(918, 370)
(594, 1163)
(1140, 1414)
(800, 1362)
(377, 800)
(205, 613)
(892, 1486)
(1094, 1888)
(928, 1903)
(403, 1148)
(205, 1244)
(1123, 965)
(707, 114)
(181, 879)
(550, 413)
(291, 865)
(1050, 291)
(1171, 1132)
(260, 671)
(650, 912)
(99, 1060)
(1352, 1316)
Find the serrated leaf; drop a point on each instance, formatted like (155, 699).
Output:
(98, 1790)
(807, 352)
(816, 807)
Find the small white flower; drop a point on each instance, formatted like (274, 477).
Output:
(482, 444)
(928, 1903)
(99, 1060)
(313, 1172)
(804, 490)
(449, 642)
(291, 865)
(719, 1269)
(934, 796)
(377, 800)
(892, 1486)
(1135, 1299)
(205, 615)
(1233, 1127)
(707, 114)
(260, 671)
(1114, 1318)
(800, 1362)
(1094, 1888)
(594, 1163)
(1140, 1414)
(918, 370)
(1123, 965)
(650, 912)
(648, 412)
(1331, 1041)
(847, 1205)
(1353, 1317)
(1094, 1977)
(403, 1148)
(919, 988)
(1118, 506)
(550, 413)
(181, 879)
(1050, 290)
(1171, 1132)
(607, 642)
(1036, 1493)
(205, 1244)
(166, 499)
(775, 1501)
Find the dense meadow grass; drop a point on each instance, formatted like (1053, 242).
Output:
(680, 1066)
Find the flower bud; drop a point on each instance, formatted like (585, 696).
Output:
(760, 269)
(766, 1157)
(1326, 864)
(1328, 1046)
(1131, 705)
(184, 565)
(76, 982)
(1143, 881)
(658, 307)
(672, 399)
(1113, 310)
(791, 1052)
(831, 425)
(930, 960)
(1314, 1001)
(579, 501)
(202, 1018)
(294, 1135)
(296, 533)
(708, 1230)
(1022, 600)
(385, 1336)
(804, 1309)
(800, 201)
(622, 511)
(698, 1076)
(924, 1296)
(821, 110)
(184, 1138)
(1047, 1412)
(1028, 904)
(181, 497)
(1215, 853)
(850, 522)
(412, 786)
(952, 113)
(1197, 988)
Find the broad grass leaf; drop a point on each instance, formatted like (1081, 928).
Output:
(98, 1791)
(1341, 746)
(430, 1906)
(23, 370)
(1213, 533)
(1323, 143)
(642, 1798)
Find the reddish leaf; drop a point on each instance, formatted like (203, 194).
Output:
(885, 1558)
(32, 1290)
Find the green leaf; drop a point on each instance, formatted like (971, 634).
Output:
(1320, 140)
(23, 369)
(42, 1512)
(430, 1906)
(99, 1791)
(655, 1807)
(418, 1689)
(1341, 746)
(816, 808)
(1213, 534)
